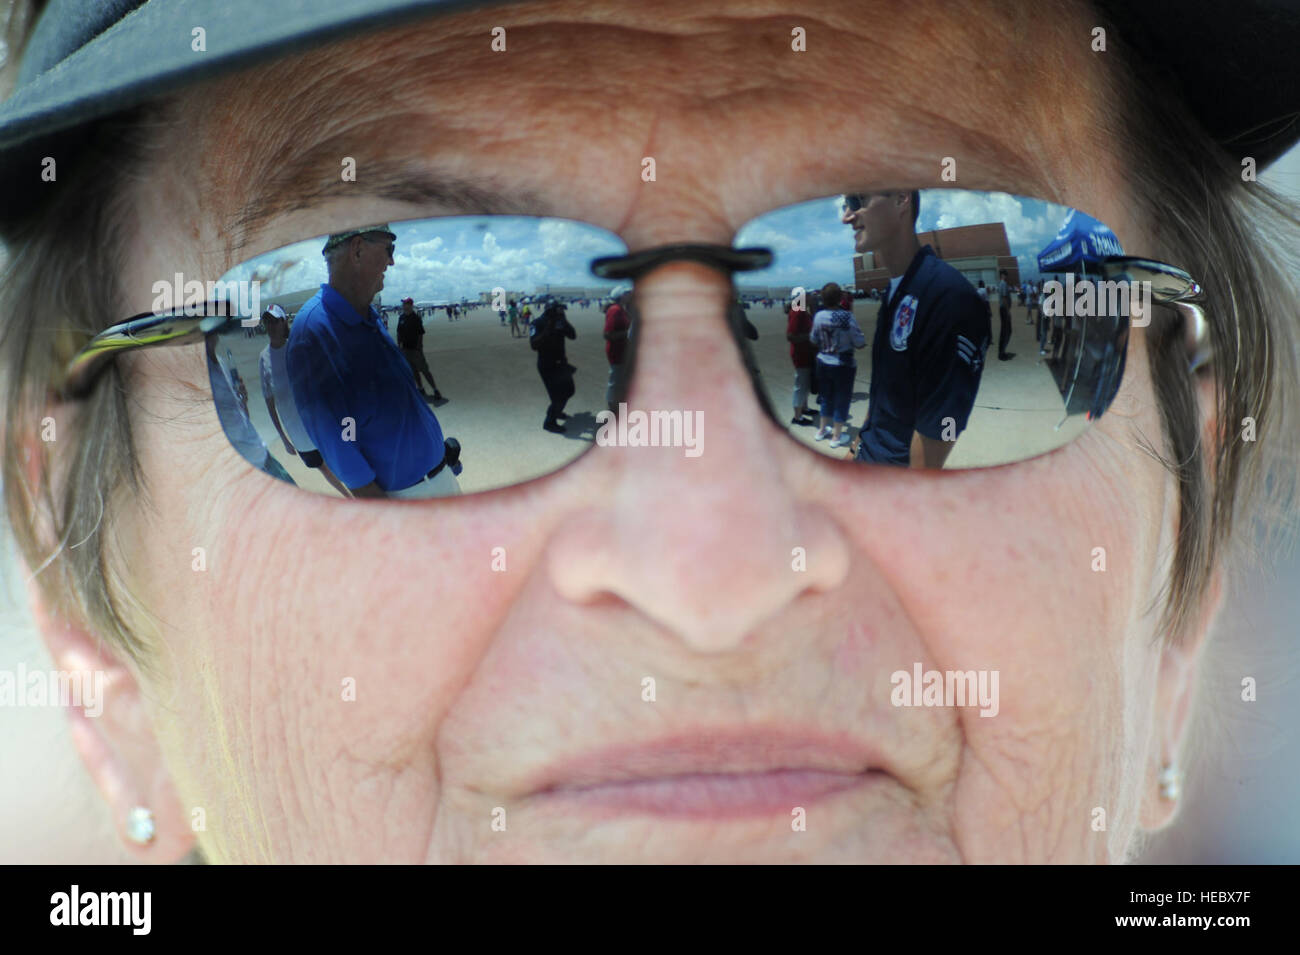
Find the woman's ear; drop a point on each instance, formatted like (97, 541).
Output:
(114, 735)
(1180, 669)
(112, 728)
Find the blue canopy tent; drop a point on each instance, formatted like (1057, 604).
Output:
(1080, 242)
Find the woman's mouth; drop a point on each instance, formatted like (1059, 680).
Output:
(712, 775)
(714, 795)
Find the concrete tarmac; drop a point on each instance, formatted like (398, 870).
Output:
(496, 401)
(1017, 410)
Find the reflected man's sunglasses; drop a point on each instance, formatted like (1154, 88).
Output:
(865, 357)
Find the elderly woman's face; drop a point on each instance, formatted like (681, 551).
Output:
(504, 715)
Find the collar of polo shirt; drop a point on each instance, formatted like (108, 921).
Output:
(342, 309)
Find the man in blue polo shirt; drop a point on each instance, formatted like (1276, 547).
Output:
(932, 331)
(352, 385)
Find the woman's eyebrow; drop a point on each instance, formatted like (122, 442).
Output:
(300, 184)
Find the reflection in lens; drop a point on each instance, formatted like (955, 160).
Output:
(943, 328)
(422, 359)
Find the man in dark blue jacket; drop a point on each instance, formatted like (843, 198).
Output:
(932, 331)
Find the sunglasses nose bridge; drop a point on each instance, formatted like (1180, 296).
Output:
(692, 298)
(723, 258)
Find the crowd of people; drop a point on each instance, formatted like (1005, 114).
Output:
(319, 369)
(931, 334)
(927, 351)
(547, 334)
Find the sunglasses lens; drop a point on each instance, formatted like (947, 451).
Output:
(491, 376)
(996, 341)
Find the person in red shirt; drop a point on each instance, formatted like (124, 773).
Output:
(797, 331)
(618, 320)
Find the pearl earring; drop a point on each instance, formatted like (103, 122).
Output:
(139, 825)
(1171, 781)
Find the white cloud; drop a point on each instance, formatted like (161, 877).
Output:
(422, 249)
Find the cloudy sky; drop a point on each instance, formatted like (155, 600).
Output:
(812, 246)
(456, 258)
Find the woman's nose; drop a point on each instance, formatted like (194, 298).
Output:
(709, 540)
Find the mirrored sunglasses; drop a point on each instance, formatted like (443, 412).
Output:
(517, 351)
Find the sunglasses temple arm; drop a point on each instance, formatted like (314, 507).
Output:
(1196, 333)
(87, 365)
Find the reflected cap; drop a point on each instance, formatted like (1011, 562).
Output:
(338, 238)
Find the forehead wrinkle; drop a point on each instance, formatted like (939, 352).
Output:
(945, 78)
(997, 159)
(1026, 122)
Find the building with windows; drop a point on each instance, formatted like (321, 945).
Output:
(978, 252)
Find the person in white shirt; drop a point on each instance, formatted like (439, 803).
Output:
(836, 336)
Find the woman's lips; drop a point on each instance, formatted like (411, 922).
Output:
(711, 774)
(713, 795)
